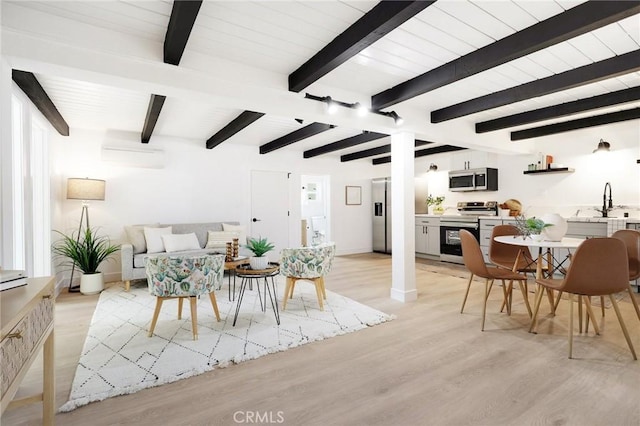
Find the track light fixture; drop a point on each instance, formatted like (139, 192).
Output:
(362, 110)
(603, 146)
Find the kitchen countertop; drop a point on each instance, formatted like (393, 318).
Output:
(569, 219)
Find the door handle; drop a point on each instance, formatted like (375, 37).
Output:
(255, 220)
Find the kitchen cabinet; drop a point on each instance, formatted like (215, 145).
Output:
(486, 228)
(470, 159)
(428, 236)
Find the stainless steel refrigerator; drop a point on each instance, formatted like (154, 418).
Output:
(381, 198)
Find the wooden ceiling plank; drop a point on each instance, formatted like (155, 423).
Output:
(384, 149)
(571, 23)
(295, 136)
(237, 124)
(28, 83)
(561, 110)
(422, 153)
(183, 17)
(609, 68)
(581, 123)
(375, 24)
(153, 112)
(344, 143)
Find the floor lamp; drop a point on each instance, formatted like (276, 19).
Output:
(84, 189)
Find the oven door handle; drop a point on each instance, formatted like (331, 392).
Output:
(460, 225)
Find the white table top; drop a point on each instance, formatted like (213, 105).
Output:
(518, 240)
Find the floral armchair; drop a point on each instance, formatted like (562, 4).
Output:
(184, 277)
(306, 263)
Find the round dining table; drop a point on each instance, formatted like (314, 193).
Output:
(564, 243)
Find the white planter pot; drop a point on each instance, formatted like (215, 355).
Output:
(537, 237)
(559, 228)
(259, 262)
(91, 283)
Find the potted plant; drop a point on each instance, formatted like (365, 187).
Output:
(531, 227)
(437, 203)
(85, 252)
(259, 246)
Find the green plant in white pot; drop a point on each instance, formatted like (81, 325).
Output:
(259, 246)
(85, 252)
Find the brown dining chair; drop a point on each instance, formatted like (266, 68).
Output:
(599, 267)
(631, 239)
(473, 260)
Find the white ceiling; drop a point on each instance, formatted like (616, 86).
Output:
(257, 44)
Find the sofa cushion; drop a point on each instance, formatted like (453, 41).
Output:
(138, 259)
(219, 239)
(154, 239)
(240, 229)
(135, 235)
(180, 242)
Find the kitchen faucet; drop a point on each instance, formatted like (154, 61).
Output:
(605, 209)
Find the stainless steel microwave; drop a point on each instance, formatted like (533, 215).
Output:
(484, 179)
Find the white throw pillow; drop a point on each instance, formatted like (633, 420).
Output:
(180, 242)
(219, 239)
(135, 235)
(153, 236)
(240, 229)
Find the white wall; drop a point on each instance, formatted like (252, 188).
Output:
(559, 192)
(198, 185)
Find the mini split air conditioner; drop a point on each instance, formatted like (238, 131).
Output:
(130, 156)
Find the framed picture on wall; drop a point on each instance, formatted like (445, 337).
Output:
(353, 195)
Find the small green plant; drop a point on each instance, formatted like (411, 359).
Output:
(259, 246)
(86, 252)
(530, 226)
(431, 200)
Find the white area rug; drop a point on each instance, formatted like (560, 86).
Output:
(118, 358)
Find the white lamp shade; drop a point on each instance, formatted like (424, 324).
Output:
(85, 189)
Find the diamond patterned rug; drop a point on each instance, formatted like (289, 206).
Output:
(118, 358)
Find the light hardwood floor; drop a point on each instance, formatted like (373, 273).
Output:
(429, 366)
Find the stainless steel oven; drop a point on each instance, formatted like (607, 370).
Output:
(450, 246)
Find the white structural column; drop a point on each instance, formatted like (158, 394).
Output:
(403, 286)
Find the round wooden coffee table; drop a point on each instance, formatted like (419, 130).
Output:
(261, 276)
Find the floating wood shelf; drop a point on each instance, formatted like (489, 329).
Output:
(561, 170)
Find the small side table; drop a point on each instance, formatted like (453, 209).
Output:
(260, 275)
(231, 268)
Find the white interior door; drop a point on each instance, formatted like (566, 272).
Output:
(270, 209)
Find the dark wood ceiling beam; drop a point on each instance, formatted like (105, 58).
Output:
(150, 120)
(183, 17)
(29, 84)
(372, 26)
(384, 149)
(237, 124)
(363, 137)
(566, 126)
(564, 26)
(295, 136)
(560, 110)
(607, 68)
(422, 153)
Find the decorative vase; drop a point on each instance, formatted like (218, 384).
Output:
(559, 228)
(91, 283)
(259, 262)
(537, 237)
(438, 209)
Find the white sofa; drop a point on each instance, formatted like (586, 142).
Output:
(133, 252)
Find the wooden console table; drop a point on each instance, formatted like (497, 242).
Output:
(26, 320)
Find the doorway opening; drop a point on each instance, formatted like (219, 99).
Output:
(316, 208)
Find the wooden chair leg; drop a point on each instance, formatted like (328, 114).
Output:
(634, 301)
(602, 305)
(293, 286)
(127, 285)
(214, 303)
(590, 314)
(180, 300)
(570, 325)
(487, 289)
(156, 312)
(318, 292)
(466, 294)
(324, 292)
(194, 316)
(580, 315)
(288, 288)
(536, 308)
(525, 295)
(623, 326)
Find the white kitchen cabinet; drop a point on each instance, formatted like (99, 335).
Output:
(486, 228)
(428, 236)
(471, 159)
